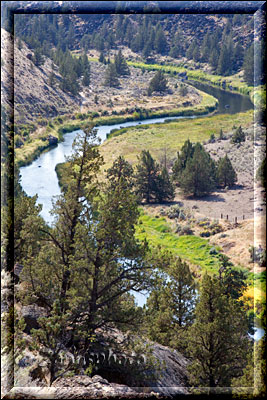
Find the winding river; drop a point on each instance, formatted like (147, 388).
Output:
(40, 176)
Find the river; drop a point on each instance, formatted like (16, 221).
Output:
(40, 176)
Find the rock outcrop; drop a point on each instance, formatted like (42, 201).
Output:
(31, 314)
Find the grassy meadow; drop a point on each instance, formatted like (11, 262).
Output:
(190, 248)
(171, 136)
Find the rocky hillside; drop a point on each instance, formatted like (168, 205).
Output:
(33, 95)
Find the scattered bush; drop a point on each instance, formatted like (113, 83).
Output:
(186, 230)
(212, 138)
(18, 142)
(238, 136)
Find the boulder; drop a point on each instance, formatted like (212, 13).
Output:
(52, 140)
(31, 314)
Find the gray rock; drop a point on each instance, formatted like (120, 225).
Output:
(31, 314)
(52, 140)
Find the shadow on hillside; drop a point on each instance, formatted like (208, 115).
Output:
(210, 197)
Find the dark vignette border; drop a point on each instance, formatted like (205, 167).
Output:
(8, 10)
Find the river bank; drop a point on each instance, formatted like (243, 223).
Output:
(58, 126)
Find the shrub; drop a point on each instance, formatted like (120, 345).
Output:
(205, 233)
(18, 142)
(238, 136)
(174, 212)
(186, 230)
(212, 138)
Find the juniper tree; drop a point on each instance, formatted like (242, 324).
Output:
(165, 188)
(111, 76)
(238, 136)
(121, 65)
(151, 183)
(217, 341)
(90, 260)
(226, 175)
(170, 306)
(199, 175)
(158, 83)
(183, 156)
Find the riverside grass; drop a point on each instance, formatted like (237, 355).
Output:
(190, 248)
(38, 143)
(196, 251)
(198, 75)
(170, 136)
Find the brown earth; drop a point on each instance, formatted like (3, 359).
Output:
(132, 93)
(245, 203)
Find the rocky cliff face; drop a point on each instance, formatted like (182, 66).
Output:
(32, 375)
(33, 95)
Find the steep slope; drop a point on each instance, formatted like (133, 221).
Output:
(33, 95)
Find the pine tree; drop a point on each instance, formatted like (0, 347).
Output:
(213, 59)
(158, 83)
(161, 44)
(218, 340)
(121, 172)
(38, 58)
(183, 156)
(86, 78)
(223, 62)
(147, 176)
(121, 65)
(111, 77)
(198, 177)
(102, 58)
(165, 189)
(248, 65)
(170, 306)
(90, 260)
(226, 175)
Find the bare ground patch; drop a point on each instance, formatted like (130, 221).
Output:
(240, 210)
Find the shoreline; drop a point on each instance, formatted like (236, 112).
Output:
(38, 146)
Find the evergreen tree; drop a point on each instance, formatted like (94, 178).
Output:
(198, 177)
(121, 65)
(111, 77)
(170, 306)
(90, 260)
(161, 44)
(232, 280)
(158, 83)
(121, 172)
(165, 189)
(102, 58)
(226, 175)
(224, 61)
(190, 50)
(248, 65)
(213, 59)
(254, 374)
(86, 78)
(38, 58)
(147, 177)
(183, 156)
(218, 340)
(262, 173)
(238, 136)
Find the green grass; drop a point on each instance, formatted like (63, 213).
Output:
(171, 135)
(199, 75)
(191, 248)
